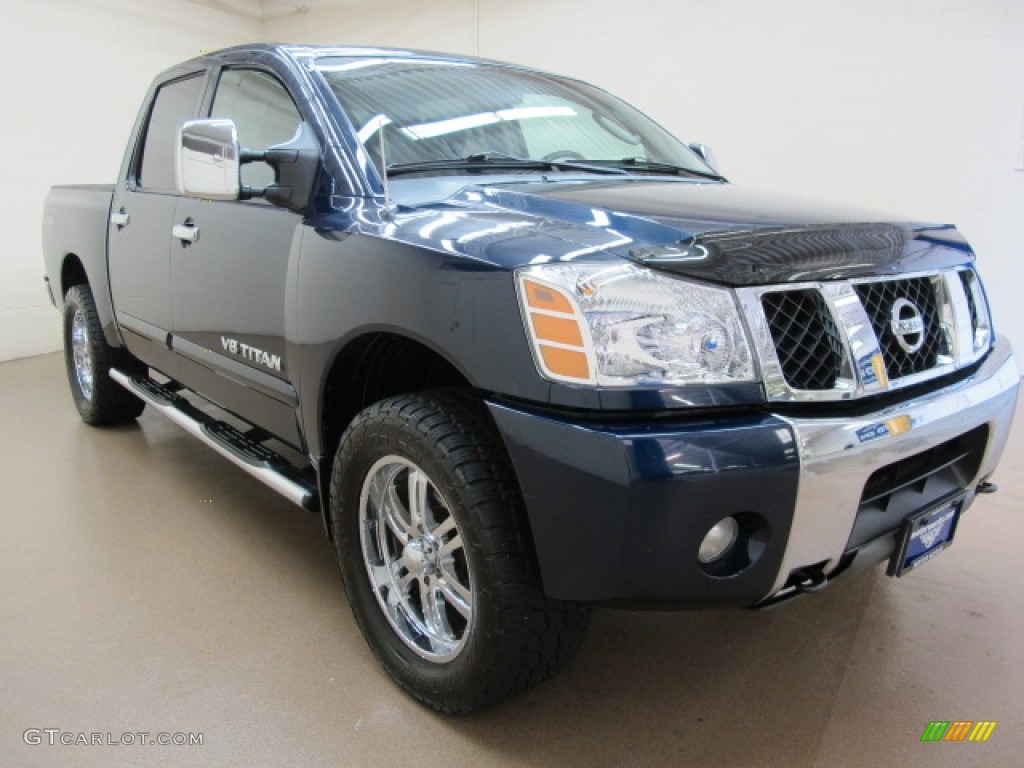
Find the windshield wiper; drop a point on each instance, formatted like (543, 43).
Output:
(643, 164)
(494, 160)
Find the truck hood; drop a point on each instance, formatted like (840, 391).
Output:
(707, 231)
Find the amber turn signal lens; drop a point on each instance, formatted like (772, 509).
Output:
(557, 329)
(556, 333)
(542, 297)
(566, 362)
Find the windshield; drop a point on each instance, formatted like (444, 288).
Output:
(442, 110)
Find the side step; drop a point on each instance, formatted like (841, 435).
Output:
(255, 458)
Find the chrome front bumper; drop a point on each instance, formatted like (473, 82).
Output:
(838, 455)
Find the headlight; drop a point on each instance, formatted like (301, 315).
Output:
(624, 325)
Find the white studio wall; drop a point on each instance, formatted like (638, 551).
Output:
(914, 107)
(911, 107)
(75, 74)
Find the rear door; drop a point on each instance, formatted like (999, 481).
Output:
(230, 281)
(139, 237)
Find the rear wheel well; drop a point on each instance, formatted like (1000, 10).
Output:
(72, 273)
(375, 367)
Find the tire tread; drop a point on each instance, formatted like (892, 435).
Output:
(111, 403)
(537, 635)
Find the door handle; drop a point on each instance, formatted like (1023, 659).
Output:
(188, 232)
(121, 219)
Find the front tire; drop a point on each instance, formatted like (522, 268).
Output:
(436, 555)
(99, 399)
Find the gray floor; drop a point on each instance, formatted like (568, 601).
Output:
(148, 585)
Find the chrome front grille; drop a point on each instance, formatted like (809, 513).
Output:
(806, 339)
(845, 339)
(880, 298)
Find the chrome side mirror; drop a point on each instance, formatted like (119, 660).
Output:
(707, 154)
(208, 160)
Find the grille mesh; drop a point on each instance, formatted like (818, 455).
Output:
(806, 338)
(878, 299)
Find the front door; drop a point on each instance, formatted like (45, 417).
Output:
(230, 270)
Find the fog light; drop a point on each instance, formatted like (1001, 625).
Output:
(718, 540)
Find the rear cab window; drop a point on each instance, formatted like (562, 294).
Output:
(174, 103)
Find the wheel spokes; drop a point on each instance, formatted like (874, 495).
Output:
(80, 353)
(416, 565)
(396, 521)
(384, 498)
(442, 529)
(419, 486)
(433, 612)
(449, 547)
(457, 596)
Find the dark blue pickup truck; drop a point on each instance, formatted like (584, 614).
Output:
(523, 350)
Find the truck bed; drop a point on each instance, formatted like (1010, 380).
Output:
(75, 218)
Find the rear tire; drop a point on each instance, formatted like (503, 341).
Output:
(436, 555)
(99, 399)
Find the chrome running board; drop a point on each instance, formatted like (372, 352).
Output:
(251, 455)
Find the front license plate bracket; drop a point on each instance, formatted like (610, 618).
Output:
(925, 534)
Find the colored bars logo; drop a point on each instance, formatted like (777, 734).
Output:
(958, 730)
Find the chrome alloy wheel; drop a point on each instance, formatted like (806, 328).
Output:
(80, 353)
(415, 558)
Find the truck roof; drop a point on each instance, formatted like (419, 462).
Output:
(297, 52)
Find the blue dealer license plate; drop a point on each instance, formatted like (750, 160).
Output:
(925, 535)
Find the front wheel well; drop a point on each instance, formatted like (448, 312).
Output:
(374, 367)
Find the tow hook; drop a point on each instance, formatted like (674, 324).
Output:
(808, 580)
(986, 487)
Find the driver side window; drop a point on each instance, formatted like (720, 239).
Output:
(263, 112)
